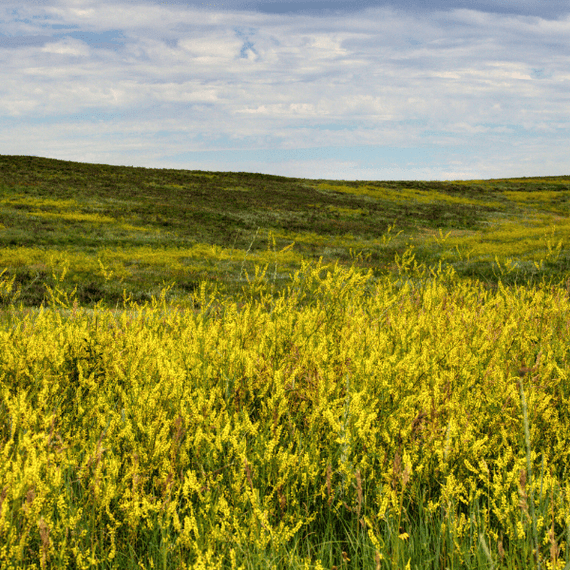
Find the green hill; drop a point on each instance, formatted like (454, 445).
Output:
(110, 231)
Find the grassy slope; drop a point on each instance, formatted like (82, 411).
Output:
(151, 226)
(116, 229)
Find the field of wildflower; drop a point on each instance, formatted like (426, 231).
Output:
(345, 423)
(175, 394)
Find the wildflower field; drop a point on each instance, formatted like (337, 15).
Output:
(338, 416)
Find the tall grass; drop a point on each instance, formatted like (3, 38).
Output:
(344, 422)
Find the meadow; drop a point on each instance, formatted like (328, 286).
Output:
(112, 230)
(229, 370)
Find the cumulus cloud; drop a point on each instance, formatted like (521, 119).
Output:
(483, 92)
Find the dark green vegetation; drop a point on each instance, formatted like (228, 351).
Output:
(114, 230)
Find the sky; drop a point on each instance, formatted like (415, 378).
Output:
(353, 90)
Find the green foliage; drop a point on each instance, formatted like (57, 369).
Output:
(149, 227)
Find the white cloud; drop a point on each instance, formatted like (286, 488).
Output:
(204, 79)
(213, 49)
(67, 47)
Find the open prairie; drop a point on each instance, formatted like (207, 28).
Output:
(117, 229)
(231, 370)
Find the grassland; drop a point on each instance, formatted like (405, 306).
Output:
(235, 371)
(118, 229)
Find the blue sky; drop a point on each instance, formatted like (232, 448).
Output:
(453, 89)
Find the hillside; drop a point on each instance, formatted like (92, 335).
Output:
(113, 230)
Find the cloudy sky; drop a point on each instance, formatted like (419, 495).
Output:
(413, 89)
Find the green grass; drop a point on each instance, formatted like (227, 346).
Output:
(121, 230)
(73, 235)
